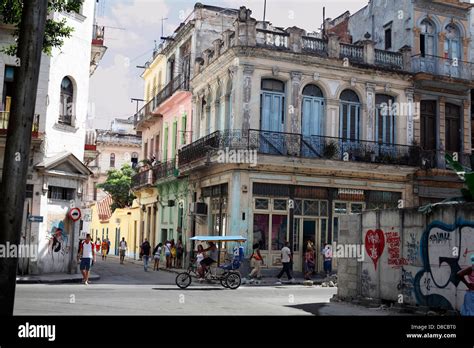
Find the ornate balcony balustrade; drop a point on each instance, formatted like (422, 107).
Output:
(352, 52)
(389, 59)
(436, 65)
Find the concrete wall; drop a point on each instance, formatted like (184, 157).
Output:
(409, 257)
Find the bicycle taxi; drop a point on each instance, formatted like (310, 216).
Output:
(228, 274)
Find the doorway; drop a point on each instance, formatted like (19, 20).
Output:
(311, 231)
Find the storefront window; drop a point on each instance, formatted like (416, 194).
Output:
(279, 204)
(261, 204)
(323, 208)
(356, 208)
(279, 230)
(260, 230)
(311, 207)
(297, 210)
(340, 208)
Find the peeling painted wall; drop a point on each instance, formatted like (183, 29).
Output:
(409, 258)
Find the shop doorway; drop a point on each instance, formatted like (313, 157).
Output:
(313, 231)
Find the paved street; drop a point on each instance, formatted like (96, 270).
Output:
(128, 290)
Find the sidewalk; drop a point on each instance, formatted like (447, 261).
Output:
(268, 275)
(54, 278)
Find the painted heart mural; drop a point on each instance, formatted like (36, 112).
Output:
(374, 244)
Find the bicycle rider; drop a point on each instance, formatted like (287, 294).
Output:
(213, 254)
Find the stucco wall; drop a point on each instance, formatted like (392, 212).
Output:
(409, 257)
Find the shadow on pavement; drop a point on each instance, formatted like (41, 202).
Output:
(191, 289)
(312, 308)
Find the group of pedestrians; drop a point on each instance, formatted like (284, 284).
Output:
(103, 247)
(172, 252)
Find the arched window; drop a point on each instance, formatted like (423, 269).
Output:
(452, 47)
(112, 160)
(312, 119)
(427, 38)
(349, 120)
(384, 119)
(66, 101)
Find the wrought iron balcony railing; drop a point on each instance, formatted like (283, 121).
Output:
(150, 176)
(314, 146)
(164, 170)
(180, 82)
(144, 178)
(436, 65)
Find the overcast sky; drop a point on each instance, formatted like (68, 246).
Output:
(133, 25)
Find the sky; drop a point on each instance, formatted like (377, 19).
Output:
(132, 26)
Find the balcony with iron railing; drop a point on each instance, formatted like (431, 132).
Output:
(436, 65)
(4, 118)
(299, 145)
(151, 175)
(180, 82)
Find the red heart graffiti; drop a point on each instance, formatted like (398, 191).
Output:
(374, 244)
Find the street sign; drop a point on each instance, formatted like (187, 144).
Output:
(74, 214)
(33, 218)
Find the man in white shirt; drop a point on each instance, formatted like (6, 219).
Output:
(86, 254)
(286, 259)
(123, 249)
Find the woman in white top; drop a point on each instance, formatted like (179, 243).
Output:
(199, 258)
(157, 256)
(168, 253)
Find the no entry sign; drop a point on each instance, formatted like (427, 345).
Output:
(74, 214)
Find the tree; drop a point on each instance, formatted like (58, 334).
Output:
(118, 185)
(55, 31)
(35, 34)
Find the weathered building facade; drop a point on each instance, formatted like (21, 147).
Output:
(437, 36)
(293, 130)
(56, 175)
(165, 122)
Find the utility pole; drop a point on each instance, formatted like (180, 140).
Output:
(264, 13)
(18, 142)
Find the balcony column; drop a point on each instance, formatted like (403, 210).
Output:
(295, 42)
(245, 28)
(465, 48)
(406, 52)
(466, 148)
(409, 94)
(441, 39)
(416, 120)
(369, 52)
(416, 41)
(247, 96)
(333, 45)
(441, 136)
(332, 114)
(370, 90)
(294, 111)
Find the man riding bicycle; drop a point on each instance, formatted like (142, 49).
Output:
(213, 254)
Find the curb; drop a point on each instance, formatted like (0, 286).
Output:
(38, 280)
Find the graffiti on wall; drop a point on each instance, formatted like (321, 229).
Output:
(58, 247)
(393, 249)
(406, 284)
(374, 244)
(444, 251)
(413, 247)
(367, 286)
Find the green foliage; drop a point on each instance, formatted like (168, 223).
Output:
(56, 31)
(465, 174)
(118, 185)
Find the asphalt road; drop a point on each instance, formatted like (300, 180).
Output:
(128, 290)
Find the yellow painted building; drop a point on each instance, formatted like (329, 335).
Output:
(123, 222)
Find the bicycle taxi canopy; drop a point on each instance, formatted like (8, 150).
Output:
(219, 238)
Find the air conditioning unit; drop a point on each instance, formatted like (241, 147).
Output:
(199, 208)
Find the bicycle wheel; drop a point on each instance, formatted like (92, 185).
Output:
(183, 280)
(224, 280)
(233, 281)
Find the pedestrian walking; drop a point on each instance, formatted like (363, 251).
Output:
(256, 262)
(467, 308)
(145, 249)
(168, 253)
(97, 245)
(122, 250)
(108, 245)
(286, 260)
(173, 253)
(179, 253)
(105, 248)
(157, 256)
(327, 256)
(308, 262)
(200, 255)
(86, 255)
